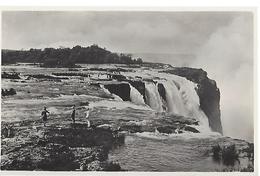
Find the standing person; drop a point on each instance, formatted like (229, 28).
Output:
(44, 115)
(87, 116)
(73, 114)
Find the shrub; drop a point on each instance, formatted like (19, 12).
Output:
(228, 154)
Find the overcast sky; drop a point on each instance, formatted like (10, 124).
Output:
(219, 42)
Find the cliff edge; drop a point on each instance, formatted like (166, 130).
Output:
(208, 93)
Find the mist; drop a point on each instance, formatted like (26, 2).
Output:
(228, 58)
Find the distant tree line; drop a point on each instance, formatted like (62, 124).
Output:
(67, 57)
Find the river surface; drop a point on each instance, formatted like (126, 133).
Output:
(155, 152)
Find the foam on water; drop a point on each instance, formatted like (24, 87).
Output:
(184, 136)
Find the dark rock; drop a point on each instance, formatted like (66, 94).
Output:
(139, 85)
(167, 129)
(216, 153)
(191, 129)
(121, 89)
(227, 154)
(95, 84)
(71, 74)
(73, 69)
(132, 128)
(118, 77)
(6, 92)
(65, 148)
(161, 91)
(10, 75)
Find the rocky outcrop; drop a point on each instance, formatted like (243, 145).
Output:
(161, 91)
(207, 91)
(139, 85)
(6, 92)
(120, 89)
(48, 77)
(58, 147)
(13, 75)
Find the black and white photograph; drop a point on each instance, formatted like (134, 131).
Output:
(128, 90)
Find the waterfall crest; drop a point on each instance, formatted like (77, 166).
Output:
(136, 96)
(153, 98)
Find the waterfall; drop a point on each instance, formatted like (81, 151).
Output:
(135, 96)
(184, 100)
(174, 100)
(192, 104)
(153, 98)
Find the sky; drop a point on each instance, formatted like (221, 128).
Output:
(219, 42)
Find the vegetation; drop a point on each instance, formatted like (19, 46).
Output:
(68, 57)
(228, 154)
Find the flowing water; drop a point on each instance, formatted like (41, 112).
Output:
(154, 152)
(174, 100)
(135, 96)
(141, 151)
(153, 97)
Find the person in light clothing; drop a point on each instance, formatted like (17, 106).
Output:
(87, 116)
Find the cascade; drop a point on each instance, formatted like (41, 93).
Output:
(136, 96)
(174, 100)
(192, 103)
(153, 98)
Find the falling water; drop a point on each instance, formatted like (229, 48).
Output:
(153, 98)
(174, 100)
(183, 100)
(192, 103)
(135, 96)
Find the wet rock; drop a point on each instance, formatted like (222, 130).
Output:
(6, 92)
(191, 129)
(118, 77)
(121, 89)
(161, 91)
(13, 75)
(132, 128)
(139, 85)
(167, 129)
(7, 132)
